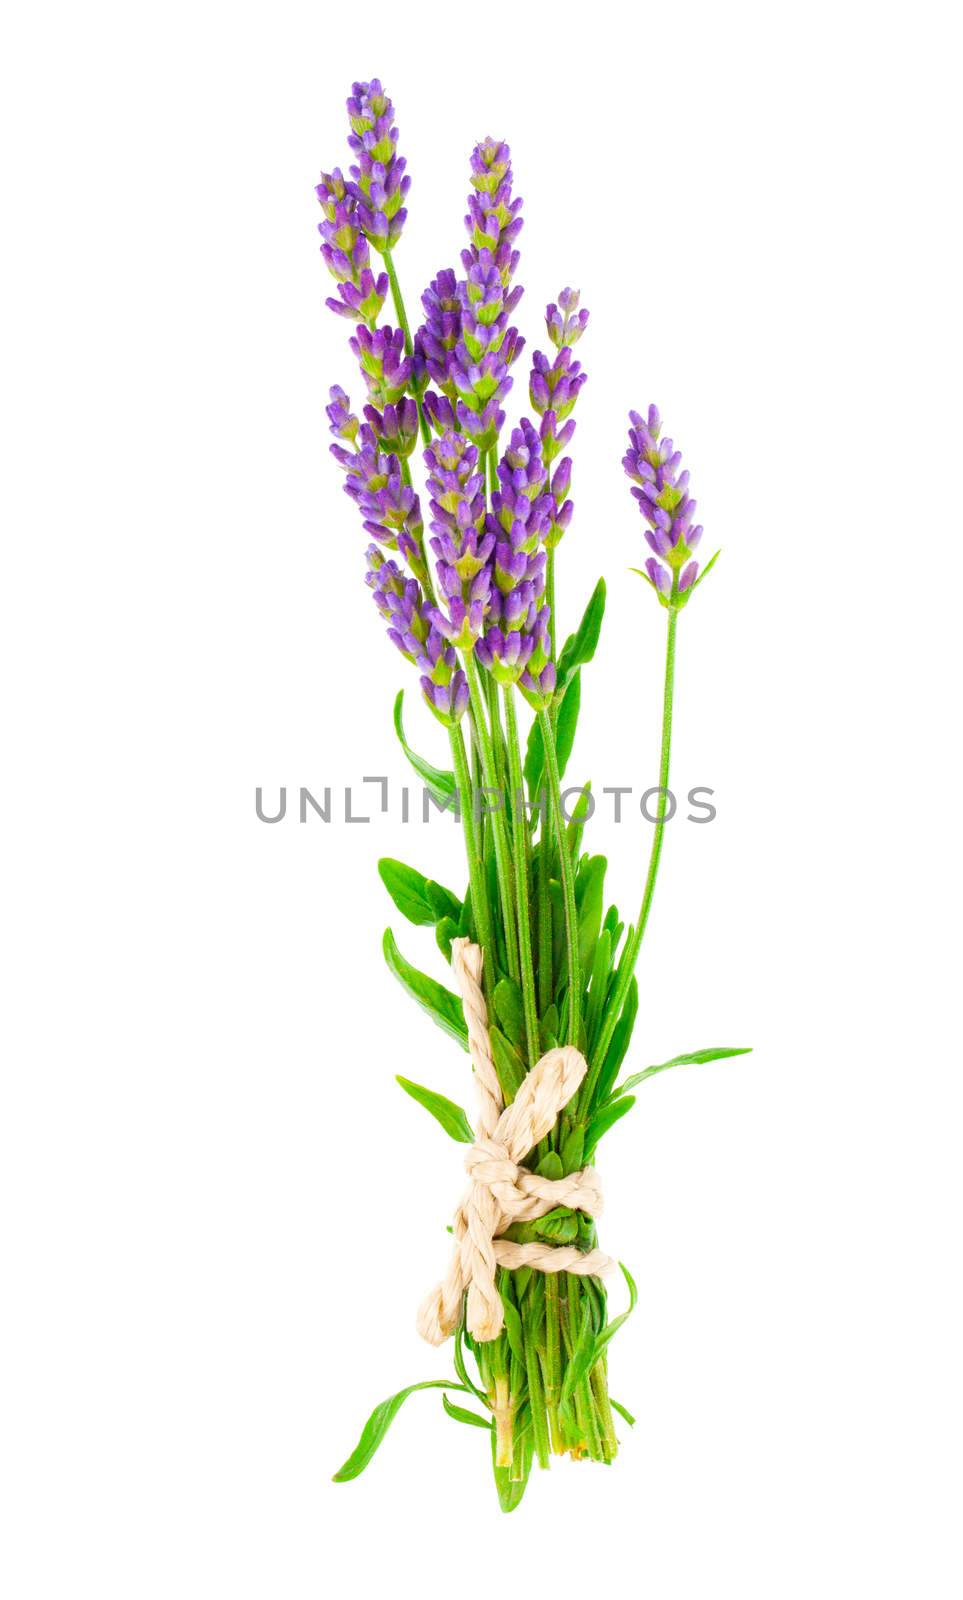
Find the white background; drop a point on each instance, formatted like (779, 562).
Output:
(219, 1211)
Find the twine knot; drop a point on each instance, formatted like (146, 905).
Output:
(502, 1191)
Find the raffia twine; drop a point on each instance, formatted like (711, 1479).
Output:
(501, 1191)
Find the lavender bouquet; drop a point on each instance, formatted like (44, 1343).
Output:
(547, 998)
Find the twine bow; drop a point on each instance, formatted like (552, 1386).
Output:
(502, 1191)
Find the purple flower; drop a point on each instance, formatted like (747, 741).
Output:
(662, 491)
(443, 683)
(344, 425)
(565, 322)
(395, 428)
(390, 508)
(401, 602)
(468, 341)
(345, 252)
(385, 367)
(515, 646)
(554, 387)
(379, 185)
(460, 540)
(440, 332)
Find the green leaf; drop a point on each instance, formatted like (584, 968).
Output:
(445, 931)
(378, 1424)
(589, 894)
(612, 1328)
(441, 1005)
(460, 1414)
(566, 723)
(451, 1117)
(694, 1058)
(408, 890)
(601, 967)
(616, 1406)
(523, 1277)
(551, 1166)
(513, 1326)
(560, 1226)
(440, 784)
(605, 1118)
(580, 646)
(461, 1367)
(511, 1490)
(615, 1054)
(509, 1009)
(534, 760)
(508, 1064)
(442, 901)
(706, 569)
(573, 1149)
(576, 823)
(548, 1029)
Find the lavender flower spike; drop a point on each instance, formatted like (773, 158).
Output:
(402, 603)
(345, 253)
(461, 542)
(554, 388)
(516, 647)
(374, 479)
(379, 185)
(662, 490)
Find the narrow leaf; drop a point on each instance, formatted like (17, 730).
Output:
(589, 894)
(378, 1424)
(508, 1064)
(693, 1058)
(622, 1411)
(611, 1328)
(442, 1006)
(510, 1490)
(573, 1149)
(615, 1054)
(605, 1118)
(580, 646)
(509, 1009)
(460, 1414)
(451, 1117)
(440, 784)
(567, 722)
(577, 821)
(513, 1327)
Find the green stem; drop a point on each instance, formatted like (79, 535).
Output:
(553, 1366)
(567, 878)
(631, 955)
(550, 596)
(521, 841)
(503, 855)
(476, 864)
(403, 324)
(491, 472)
(545, 972)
